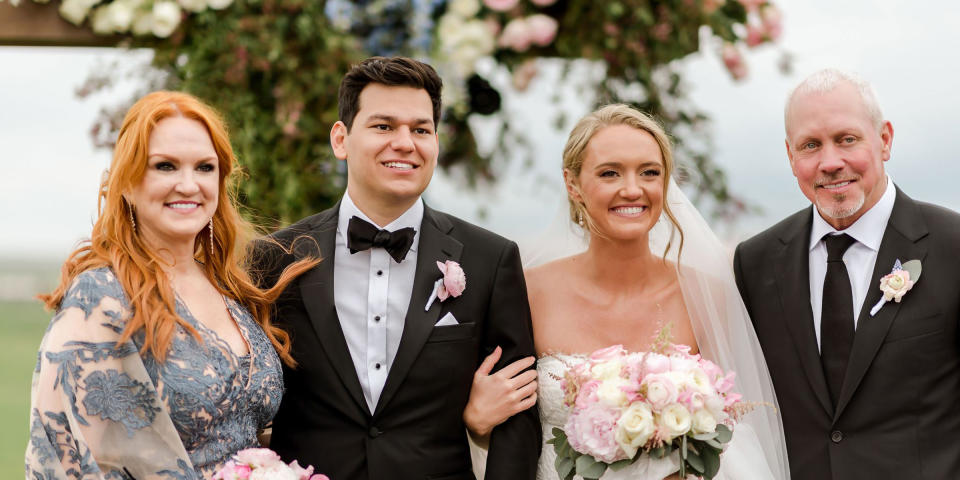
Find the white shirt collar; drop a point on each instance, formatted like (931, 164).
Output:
(868, 229)
(413, 217)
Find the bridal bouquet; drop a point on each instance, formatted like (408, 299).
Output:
(264, 464)
(627, 404)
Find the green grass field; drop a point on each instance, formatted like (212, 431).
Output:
(21, 326)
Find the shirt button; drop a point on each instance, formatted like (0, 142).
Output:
(836, 436)
(377, 366)
(377, 318)
(379, 273)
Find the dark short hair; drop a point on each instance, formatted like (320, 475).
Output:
(392, 72)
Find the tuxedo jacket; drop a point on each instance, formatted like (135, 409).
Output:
(417, 430)
(898, 411)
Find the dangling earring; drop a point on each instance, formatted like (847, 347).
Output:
(211, 235)
(133, 223)
(580, 218)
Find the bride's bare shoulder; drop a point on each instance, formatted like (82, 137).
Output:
(551, 273)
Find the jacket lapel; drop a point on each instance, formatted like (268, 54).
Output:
(435, 245)
(900, 241)
(793, 283)
(316, 290)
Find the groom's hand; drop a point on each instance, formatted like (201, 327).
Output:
(497, 397)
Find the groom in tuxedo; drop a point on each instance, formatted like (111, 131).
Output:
(387, 350)
(867, 389)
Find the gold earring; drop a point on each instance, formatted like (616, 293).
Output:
(211, 235)
(133, 223)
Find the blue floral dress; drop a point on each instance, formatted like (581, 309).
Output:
(100, 409)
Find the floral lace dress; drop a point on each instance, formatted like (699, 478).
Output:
(99, 409)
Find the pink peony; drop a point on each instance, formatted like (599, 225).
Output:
(319, 476)
(500, 5)
(257, 457)
(454, 280)
(655, 363)
(542, 28)
(543, 3)
(591, 431)
(710, 6)
(725, 384)
(731, 399)
(516, 36)
(608, 353)
(587, 395)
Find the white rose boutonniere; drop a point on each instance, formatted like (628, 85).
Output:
(897, 283)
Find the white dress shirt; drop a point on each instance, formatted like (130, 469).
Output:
(859, 258)
(371, 292)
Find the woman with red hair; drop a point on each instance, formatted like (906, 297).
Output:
(161, 361)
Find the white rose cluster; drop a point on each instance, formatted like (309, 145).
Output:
(159, 18)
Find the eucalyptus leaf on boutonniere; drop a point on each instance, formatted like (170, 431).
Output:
(898, 282)
(452, 284)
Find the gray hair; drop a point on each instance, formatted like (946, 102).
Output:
(826, 80)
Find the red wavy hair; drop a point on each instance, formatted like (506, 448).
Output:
(114, 242)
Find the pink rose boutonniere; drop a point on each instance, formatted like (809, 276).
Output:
(897, 283)
(452, 284)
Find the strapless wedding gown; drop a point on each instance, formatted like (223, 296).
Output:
(742, 460)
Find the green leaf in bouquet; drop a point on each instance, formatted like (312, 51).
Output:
(565, 466)
(724, 434)
(658, 452)
(705, 436)
(589, 468)
(695, 462)
(711, 462)
(714, 443)
(623, 463)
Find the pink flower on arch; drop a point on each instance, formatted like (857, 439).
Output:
(500, 5)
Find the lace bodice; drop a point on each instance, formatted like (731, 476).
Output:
(101, 409)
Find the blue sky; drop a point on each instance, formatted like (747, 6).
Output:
(51, 171)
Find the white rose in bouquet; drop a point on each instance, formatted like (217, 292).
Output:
(611, 392)
(675, 420)
(703, 422)
(634, 428)
(607, 370)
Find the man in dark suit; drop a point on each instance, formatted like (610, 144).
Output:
(867, 389)
(387, 349)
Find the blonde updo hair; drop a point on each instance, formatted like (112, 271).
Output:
(608, 116)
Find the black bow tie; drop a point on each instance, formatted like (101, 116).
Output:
(363, 235)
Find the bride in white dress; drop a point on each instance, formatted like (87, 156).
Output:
(646, 259)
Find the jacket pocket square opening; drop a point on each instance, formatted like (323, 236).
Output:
(447, 320)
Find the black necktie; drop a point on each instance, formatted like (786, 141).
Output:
(836, 319)
(363, 235)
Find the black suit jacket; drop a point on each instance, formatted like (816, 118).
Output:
(417, 431)
(898, 413)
